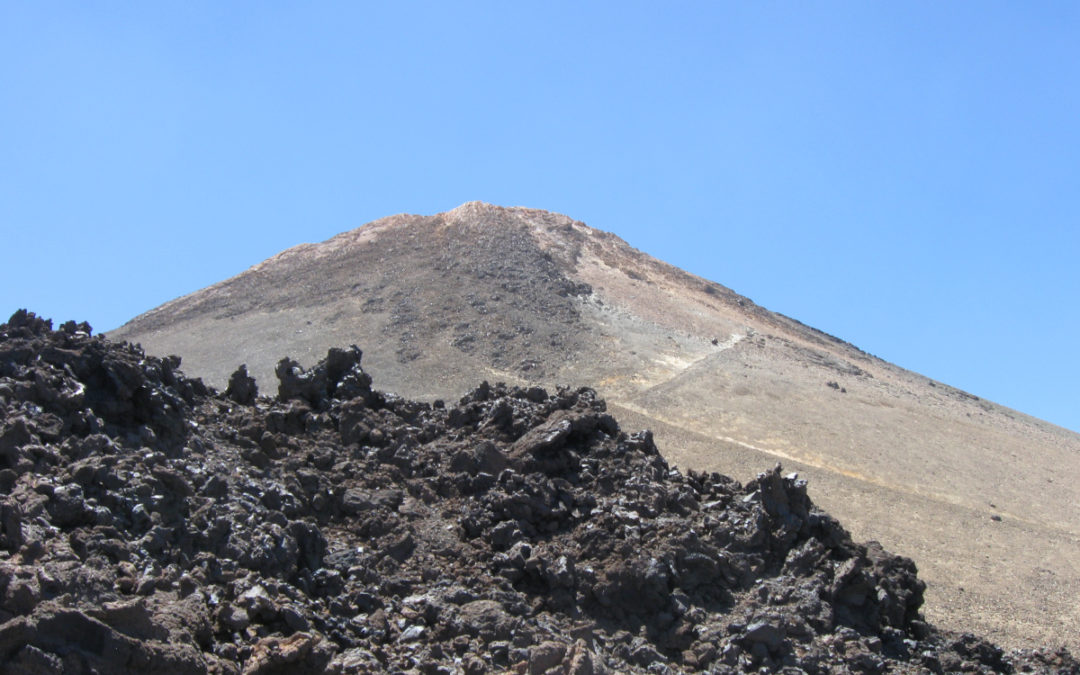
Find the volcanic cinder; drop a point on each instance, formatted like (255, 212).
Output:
(981, 496)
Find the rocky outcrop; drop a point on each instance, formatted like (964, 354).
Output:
(149, 524)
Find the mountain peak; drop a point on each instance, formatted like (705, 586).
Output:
(475, 208)
(470, 215)
(527, 296)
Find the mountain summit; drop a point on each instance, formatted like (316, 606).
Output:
(978, 494)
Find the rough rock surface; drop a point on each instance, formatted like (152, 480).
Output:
(148, 523)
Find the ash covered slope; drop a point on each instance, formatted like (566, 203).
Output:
(530, 297)
(150, 524)
(443, 297)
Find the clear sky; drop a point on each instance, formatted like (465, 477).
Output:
(905, 176)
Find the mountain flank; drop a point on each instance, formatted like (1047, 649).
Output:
(149, 524)
(977, 494)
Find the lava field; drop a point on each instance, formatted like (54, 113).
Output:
(149, 524)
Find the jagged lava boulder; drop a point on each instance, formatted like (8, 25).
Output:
(149, 524)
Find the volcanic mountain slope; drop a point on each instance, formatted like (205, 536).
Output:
(980, 495)
(150, 525)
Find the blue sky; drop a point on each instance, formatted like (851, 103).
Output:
(905, 176)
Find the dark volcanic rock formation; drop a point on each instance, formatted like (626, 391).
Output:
(149, 524)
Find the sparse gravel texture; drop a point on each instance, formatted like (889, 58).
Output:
(150, 524)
